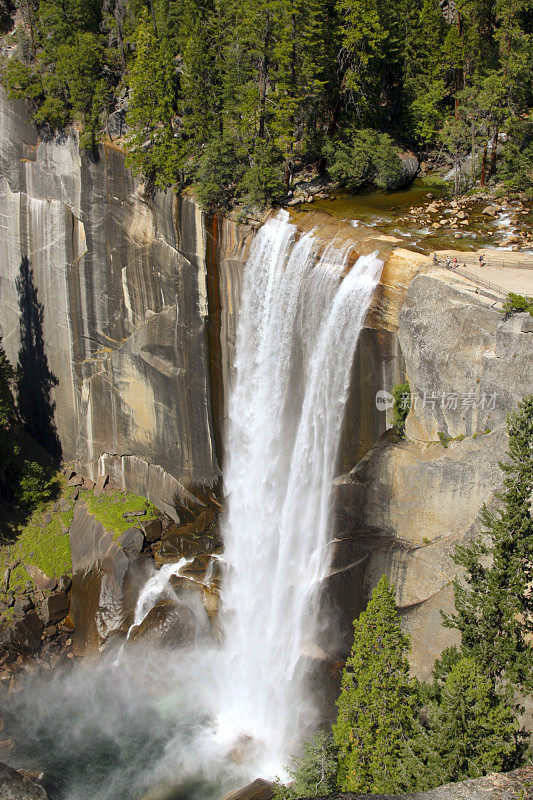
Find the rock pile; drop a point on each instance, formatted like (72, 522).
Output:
(460, 214)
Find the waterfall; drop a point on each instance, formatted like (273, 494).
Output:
(300, 320)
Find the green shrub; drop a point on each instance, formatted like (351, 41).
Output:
(364, 157)
(400, 409)
(443, 439)
(517, 303)
(36, 485)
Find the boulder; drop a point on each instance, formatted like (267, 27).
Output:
(75, 480)
(65, 505)
(14, 786)
(106, 582)
(41, 580)
(188, 540)
(410, 167)
(152, 529)
(257, 790)
(490, 211)
(527, 324)
(116, 124)
(167, 623)
(100, 484)
(26, 634)
(88, 484)
(22, 605)
(132, 540)
(55, 608)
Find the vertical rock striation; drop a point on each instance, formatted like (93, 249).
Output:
(104, 305)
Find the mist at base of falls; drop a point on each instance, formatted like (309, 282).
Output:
(210, 718)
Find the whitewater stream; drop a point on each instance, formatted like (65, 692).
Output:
(298, 329)
(212, 717)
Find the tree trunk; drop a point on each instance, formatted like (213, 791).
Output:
(459, 72)
(151, 4)
(263, 78)
(30, 24)
(118, 20)
(484, 163)
(473, 152)
(493, 151)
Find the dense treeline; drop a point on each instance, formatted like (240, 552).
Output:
(394, 734)
(237, 95)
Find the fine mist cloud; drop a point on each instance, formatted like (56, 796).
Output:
(108, 730)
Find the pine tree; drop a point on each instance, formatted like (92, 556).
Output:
(377, 706)
(475, 728)
(494, 601)
(315, 769)
(154, 149)
(8, 447)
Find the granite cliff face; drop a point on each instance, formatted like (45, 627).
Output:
(108, 288)
(406, 504)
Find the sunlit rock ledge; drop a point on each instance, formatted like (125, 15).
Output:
(516, 785)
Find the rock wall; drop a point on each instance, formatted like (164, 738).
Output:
(406, 504)
(105, 306)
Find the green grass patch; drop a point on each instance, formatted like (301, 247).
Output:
(43, 546)
(109, 509)
(46, 548)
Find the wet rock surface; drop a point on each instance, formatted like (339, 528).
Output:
(167, 623)
(15, 786)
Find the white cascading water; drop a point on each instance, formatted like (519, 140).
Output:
(154, 588)
(299, 325)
